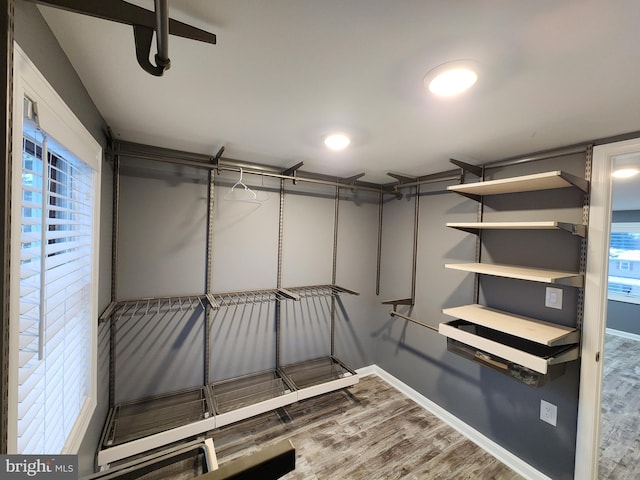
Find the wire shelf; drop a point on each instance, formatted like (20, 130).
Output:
(138, 419)
(244, 391)
(155, 306)
(129, 309)
(321, 291)
(229, 299)
(315, 372)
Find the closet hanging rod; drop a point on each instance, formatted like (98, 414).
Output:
(545, 155)
(393, 313)
(451, 175)
(252, 170)
(454, 174)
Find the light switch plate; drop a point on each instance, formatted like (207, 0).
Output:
(553, 298)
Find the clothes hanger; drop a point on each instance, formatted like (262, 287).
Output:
(240, 183)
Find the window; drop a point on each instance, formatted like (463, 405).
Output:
(54, 270)
(624, 266)
(624, 262)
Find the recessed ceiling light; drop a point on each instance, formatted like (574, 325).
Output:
(451, 78)
(625, 172)
(337, 141)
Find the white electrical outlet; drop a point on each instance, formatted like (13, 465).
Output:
(553, 298)
(548, 413)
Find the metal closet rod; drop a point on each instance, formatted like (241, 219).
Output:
(203, 161)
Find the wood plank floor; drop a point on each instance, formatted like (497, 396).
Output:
(369, 431)
(620, 410)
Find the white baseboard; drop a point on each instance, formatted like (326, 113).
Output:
(620, 333)
(512, 461)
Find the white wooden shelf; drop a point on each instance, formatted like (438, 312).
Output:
(531, 329)
(538, 360)
(526, 183)
(475, 227)
(572, 279)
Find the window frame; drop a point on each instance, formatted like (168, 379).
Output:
(61, 123)
(616, 227)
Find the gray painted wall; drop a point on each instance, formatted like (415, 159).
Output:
(36, 39)
(499, 407)
(621, 315)
(162, 251)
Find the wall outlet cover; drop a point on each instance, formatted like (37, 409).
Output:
(548, 412)
(553, 298)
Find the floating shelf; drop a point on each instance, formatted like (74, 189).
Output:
(538, 331)
(531, 355)
(526, 183)
(572, 279)
(318, 376)
(475, 227)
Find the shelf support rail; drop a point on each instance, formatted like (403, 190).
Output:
(334, 267)
(583, 242)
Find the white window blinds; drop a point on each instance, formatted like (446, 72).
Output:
(55, 205)
(55, 293)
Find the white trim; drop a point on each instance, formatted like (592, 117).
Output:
(55, 117)
(623, 334)
(595, 306)
(141, 445)
(326, 387)
(509, 459)
(61, 123)
(249, 411)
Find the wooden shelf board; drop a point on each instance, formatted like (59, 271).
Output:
(528, 328)
(576, 229)
(526, 183)
(533, 362)
(572, 279)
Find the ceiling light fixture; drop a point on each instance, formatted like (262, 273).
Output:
(337, 141)
(625, 172)
(452, 78)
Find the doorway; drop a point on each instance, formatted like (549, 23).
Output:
(605, 159)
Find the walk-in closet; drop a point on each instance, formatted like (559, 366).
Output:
(261, 238)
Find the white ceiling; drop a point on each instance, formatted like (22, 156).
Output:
(286, 72)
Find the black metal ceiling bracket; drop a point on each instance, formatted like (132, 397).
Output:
(465, 167)
(144, 23)
(216, 160)
(291, 171)
(351, 180)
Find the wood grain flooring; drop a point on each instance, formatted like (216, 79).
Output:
(620, 410)
(368, 432)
